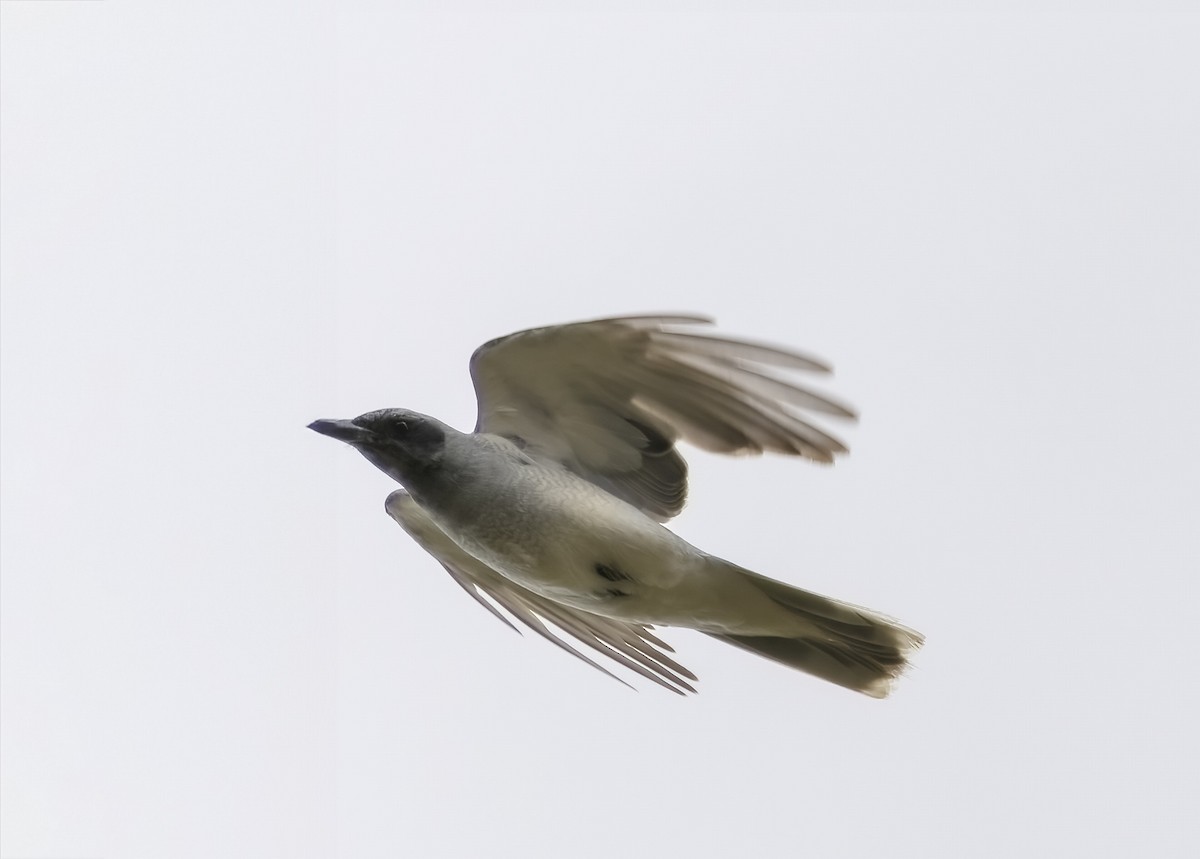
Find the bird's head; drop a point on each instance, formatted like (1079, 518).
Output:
(400, 443)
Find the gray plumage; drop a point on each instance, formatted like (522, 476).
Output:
(551, 508)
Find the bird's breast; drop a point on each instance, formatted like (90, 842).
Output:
(558, 535)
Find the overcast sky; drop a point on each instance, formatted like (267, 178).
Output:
(223, 220)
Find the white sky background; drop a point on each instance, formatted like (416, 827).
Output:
(223, 220)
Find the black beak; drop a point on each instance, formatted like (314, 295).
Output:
(346, 431)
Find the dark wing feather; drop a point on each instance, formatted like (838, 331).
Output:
(609, 398)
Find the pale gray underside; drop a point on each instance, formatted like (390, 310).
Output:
(629, 644)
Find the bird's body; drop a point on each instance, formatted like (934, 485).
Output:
(580, 528)
(590, 550)
(552, 507)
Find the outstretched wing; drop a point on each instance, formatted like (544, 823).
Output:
(629, 644)
(609, 398)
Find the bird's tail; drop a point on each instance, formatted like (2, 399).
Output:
(851, 646)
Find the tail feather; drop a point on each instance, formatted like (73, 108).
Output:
(851, 646)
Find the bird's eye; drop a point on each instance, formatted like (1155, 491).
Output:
(401, 426)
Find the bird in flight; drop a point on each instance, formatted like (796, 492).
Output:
(552, 509)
